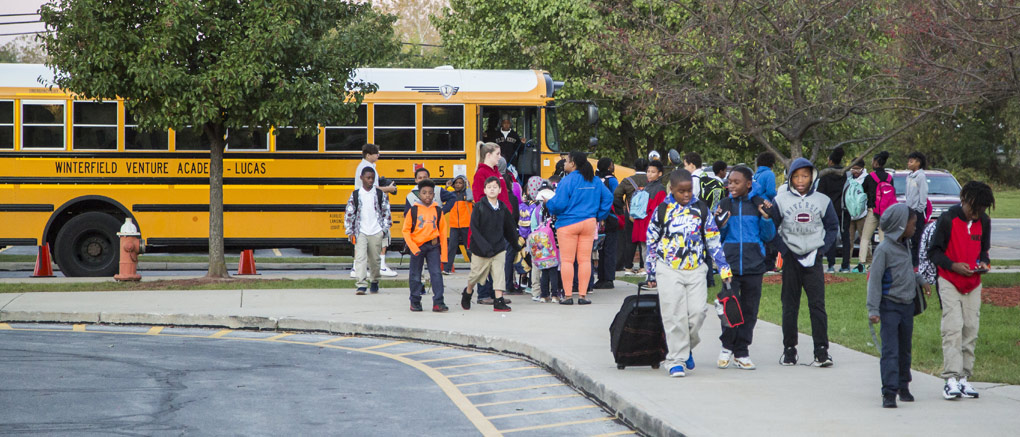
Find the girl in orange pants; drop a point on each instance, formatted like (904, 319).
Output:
(575, 243)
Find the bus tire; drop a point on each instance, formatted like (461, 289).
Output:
(88, 245)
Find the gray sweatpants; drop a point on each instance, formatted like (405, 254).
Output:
(682, 295)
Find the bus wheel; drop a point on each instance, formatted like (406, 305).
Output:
(88, 245)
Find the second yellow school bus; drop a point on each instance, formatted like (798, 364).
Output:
(72, 170)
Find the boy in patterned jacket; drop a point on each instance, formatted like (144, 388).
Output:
(681, 232)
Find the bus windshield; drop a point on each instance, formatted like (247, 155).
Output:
(552, 130)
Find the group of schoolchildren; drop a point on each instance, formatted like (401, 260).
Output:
(683, 238)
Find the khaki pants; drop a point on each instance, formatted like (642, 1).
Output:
(856, 227)
(367, 251)
(481, 267)
(870, 226)
(960, 319)
(682, 295)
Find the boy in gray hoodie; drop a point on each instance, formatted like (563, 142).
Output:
(892, 287)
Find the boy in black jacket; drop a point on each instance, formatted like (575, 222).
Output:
(492, 228)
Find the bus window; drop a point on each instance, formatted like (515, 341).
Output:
(95, 126)
(552, 130)
(347, 138)
(287, 140)
(42, 125)
(7, 124)
(191, 139)
(395, 127)
(137, 139)
(247, 139)
(442, 128)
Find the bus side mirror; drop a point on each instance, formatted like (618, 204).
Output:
(593, 114)
(593, 141)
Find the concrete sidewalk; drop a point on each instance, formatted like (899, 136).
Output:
(574, 342)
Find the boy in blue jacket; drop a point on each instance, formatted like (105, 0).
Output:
(745, 228)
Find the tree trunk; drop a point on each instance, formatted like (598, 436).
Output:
(217, 263)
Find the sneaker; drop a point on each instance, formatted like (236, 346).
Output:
(500, 306)
(440, 308)
(744, 363)
(527, 290)
(514, 291)
(536, 298)
(567, 301)
(416, 307)
(690, 361)
(860, 268)
(554, 299)
(374, 287)
(952, 389)
(546, 300)
(845, 270)
(725, 356)
(605, 285)
(583, 301)
(789, 357)
(465, 300)
(831, 269)
(822, 360)
(889, 401)
(354, 274)
(447, 273)
(361, 291)
(967, 390)
(628, 272)
(905, 395)
(677, 371)
(385, 270)
(486, 301)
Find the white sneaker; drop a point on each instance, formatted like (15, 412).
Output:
(354, 274)
(967, 390)
(952, 389)
(725, 356)
(536, 298)
(744, 363)
(384, 270)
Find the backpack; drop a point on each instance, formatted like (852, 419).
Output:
(524, 222)
(614, 221)
(885, 194)
(542, 244)
(855, 202)
(711, 191)
(357, 198)
(928, 209)
(630, 206)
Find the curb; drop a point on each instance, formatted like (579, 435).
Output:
(623, 409)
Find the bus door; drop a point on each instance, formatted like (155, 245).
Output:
(524, 121)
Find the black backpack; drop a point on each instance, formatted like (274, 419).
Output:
(711, 191)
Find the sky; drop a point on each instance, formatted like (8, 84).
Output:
(18, 7)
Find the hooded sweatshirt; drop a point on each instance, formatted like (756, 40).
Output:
(763, 184)
(959, 240)
(917, 190)
(891, 275)
(805, 222)
(458, 207)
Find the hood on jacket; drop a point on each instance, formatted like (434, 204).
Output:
(894, 220)
(468, 195)
(798, 164)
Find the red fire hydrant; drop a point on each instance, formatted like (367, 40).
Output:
(129, 249)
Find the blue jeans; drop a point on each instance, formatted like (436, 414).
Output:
(897, 335)
(430, 253)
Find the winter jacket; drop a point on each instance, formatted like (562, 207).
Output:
(458, 209)
(352, 222)
(958, 240)
(832, 185)
(677, 238)
(744, 235)
(412, 198)
(805, 222)
(491, 229)
(917, 191)
(478, 188)
(577, 200)
(891, 275)
(763, 184)
(428, 226)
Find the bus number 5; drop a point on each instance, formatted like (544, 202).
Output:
(442, 171)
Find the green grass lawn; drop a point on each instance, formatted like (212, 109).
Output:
(998, 349)
(1007, 204)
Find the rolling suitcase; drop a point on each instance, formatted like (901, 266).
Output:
(637, 337)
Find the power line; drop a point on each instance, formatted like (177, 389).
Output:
(17, 15)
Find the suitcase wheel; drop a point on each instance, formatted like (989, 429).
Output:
(655, 366)
(620, 366)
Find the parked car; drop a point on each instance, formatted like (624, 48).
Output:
(943, 189)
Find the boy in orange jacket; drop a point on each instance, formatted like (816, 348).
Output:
(425, 234)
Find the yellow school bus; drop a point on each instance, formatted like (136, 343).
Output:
(71, 170)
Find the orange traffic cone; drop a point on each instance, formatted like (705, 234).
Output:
(43, 268)
(247, 264)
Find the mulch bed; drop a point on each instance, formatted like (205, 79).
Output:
(1003, 297)
(829, 279)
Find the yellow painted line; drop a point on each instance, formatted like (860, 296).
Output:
(155, 330)
(78, 328)
(277, 252)
(554, 410)
(540, 398)
(616, 433)
(380, 346)
(221, 333)
(279, 336)
(325, 342)
(513, 389)
(496, 381)
(491, 371)
(554, 425)
(456, 366)
(423, 351)
(5, 326)
(454, 358)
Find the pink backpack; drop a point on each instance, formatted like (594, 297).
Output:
(542, 243)
(885, 194)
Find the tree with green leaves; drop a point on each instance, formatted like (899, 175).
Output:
(218, 65)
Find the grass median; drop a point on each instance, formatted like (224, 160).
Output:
(998, 348)
(1007, 204)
